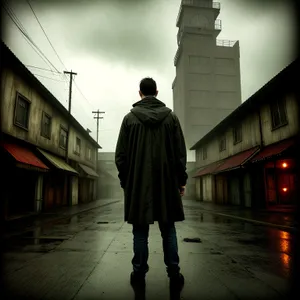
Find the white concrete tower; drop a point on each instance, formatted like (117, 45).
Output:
(207, 86)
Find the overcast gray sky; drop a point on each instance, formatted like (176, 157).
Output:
(112, 44)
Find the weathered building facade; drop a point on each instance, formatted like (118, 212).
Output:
(248, 159)
(40, 174)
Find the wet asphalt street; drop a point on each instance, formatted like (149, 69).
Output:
(88, 256)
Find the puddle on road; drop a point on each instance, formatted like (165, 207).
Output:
(63, 221)
(31, 244)
(42, 235)
(34, 241)
(76, 219)
(252, 241)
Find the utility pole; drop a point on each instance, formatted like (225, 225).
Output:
(69, 187)
(70, 103)
(98, 118)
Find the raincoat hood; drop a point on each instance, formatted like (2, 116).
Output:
(150, 111)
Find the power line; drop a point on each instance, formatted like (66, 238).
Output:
(14, 16)
(25, 34)
(28, 37)
(55, 50)
(49, 78)
(46, 35)
(82, 93)
(29, 40)
(29, 66)
(19, 25)
(36, 51)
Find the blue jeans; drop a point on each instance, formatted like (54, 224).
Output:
(141, 251)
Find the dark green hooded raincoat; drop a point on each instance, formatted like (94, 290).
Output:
(151, 160)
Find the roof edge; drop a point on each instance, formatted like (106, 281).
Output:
(47, 95)
(243, 107)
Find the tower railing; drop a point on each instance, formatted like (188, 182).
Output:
(220, 43)
(218, 24)
(199, 3)
(202, 3)
(182, 29)
(225, 43)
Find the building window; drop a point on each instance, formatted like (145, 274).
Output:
(222, 144)
(46, 126)
(22, 111)
(63, 138)
(77, 146)
(204, 153)
(237, 134)
(278, 112)
(197, 154)
(89, 153)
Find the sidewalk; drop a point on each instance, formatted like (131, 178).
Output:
(283, 220)
(15, 226)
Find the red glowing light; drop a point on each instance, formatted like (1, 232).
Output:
(284, 165)
(285, 189)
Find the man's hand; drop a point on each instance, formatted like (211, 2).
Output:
(182, 190)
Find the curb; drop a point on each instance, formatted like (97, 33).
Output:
(284, 227)
(258, 222)
(61, 217)
(84, 210)
(270, 211)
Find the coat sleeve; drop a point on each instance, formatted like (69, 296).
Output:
(180, 153)
(120, 154)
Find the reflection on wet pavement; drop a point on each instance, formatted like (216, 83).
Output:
(32, 245)
(89, 245)
(261, 247)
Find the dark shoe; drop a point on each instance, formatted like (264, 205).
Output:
(177, 281)
(176, 285)
(138, 284)
(136, 279)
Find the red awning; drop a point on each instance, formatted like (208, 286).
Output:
(273, 150)
(208, 169)
(24, 156)
(237, 160)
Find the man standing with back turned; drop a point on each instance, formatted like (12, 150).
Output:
(151, 160)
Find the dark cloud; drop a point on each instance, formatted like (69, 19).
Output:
(267, 38)
(131, 32)
(141, 34)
